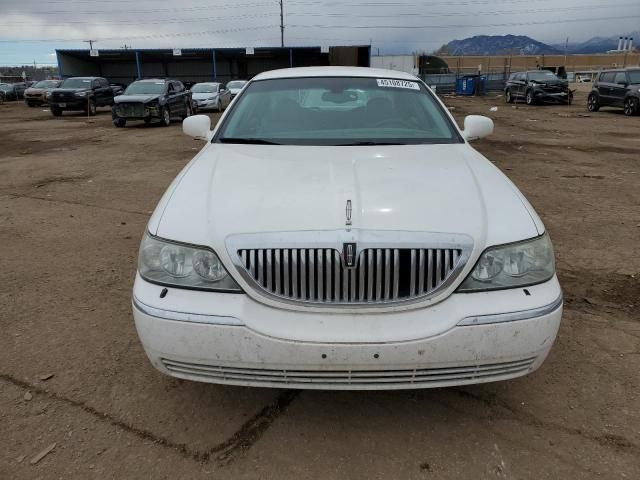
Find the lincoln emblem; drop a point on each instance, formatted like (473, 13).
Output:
(349, 254)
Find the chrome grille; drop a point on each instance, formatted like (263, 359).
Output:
(380, 275)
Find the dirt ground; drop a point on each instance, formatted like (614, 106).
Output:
(75, 196)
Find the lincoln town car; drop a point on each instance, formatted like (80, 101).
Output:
(338, 231)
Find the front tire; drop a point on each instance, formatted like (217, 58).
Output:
(189, 111)
(631, 106)
(165, 117)
(593, 104)
(30, 104)
(120, 122)
(529, 98)
(55, 111)
(508, 96)
(91, 109)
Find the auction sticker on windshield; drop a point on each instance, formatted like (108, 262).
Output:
(388, 82)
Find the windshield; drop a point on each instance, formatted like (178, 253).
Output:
(337, 111)
(76, 83)
(634, 77)
(236, 84)
(5, 87)
(542, 76)
(145, 88)
(46, 84)
(205, 88)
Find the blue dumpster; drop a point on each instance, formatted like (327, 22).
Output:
(471, 85)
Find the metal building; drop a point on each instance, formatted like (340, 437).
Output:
(201, 64)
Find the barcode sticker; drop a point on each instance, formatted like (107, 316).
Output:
(391, 83)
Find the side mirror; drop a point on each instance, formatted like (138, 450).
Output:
(476, 126)
(197, 126)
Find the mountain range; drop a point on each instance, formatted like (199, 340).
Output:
(597, 44)
(523, 45)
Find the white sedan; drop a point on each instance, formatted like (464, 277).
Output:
(337, 231)
(210, 95)
(236, 86)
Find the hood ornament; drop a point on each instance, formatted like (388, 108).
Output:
(348, 213)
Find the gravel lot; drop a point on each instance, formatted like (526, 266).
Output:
(75, 195)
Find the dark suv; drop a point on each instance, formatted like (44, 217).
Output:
(80, 94)
(537, 86)
(616, 88)
(155, 98)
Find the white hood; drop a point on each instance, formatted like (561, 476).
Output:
(231, 189)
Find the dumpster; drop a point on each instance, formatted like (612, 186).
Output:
(471, 85)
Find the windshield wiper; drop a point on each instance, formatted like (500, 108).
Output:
(366, 143)
(253, 141)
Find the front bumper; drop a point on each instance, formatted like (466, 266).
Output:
(75, 104)
(205, 104)
(141, 113)
(35, 99)
(228, 345)
(557, 97)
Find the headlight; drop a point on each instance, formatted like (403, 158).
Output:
(81, 94)
(213, 97)
(512, 265)
(169, 263)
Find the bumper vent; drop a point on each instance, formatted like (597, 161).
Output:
(350, 379)
(379, 275)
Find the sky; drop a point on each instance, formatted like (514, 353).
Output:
(31, 30)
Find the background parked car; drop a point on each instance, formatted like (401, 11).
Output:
(152, 99)
(235, 86)
(37, 93)
(118, 89)
(80, 94)
(211, 95)
(537, 86)
(13, 91)
(616, 88)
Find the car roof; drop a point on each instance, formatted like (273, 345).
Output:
(207, 83)
(301, 72)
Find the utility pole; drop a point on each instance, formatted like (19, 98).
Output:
(281, 24)
(90, 42)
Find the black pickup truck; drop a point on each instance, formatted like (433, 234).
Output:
(80, 94)
(151, 99)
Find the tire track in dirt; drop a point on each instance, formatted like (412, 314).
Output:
(223, 454)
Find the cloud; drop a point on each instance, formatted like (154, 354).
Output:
(393, 26)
